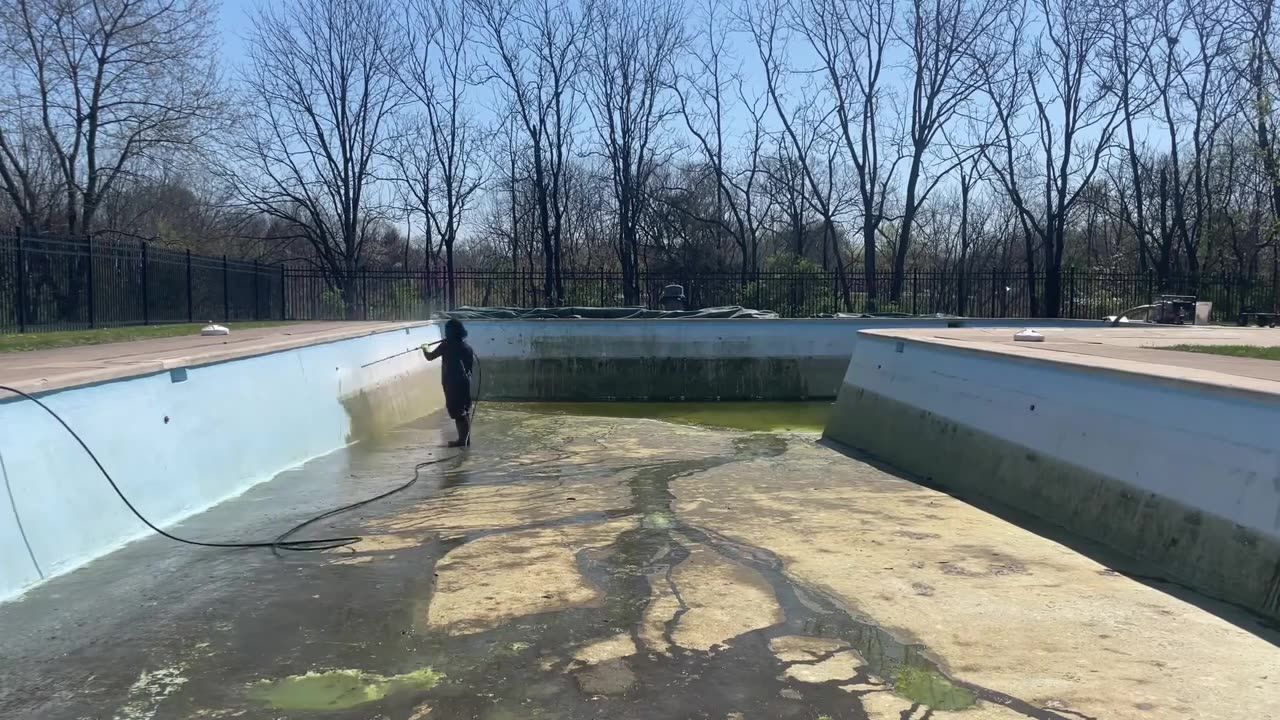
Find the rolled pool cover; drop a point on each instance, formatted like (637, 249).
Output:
(639, 313)
(605, 313)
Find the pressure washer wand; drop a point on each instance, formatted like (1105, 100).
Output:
(406, 352)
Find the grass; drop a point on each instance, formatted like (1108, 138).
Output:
(1262, 352)
(23, 342)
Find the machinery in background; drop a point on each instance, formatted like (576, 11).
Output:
(1167, 310)
(1249, 315)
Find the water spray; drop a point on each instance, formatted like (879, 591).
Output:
(406, 352)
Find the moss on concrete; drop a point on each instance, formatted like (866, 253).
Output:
(392, 403)
(338, 689)
(932, 689)
(1200, 550)
(657, 378)
(763, 416)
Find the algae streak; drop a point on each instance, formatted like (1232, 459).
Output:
(931, 689)
(338, 689)
(764, 416)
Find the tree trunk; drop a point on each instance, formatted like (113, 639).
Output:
(904, 235)
(1030, 256)
(869, 261)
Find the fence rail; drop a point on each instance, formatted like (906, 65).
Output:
(71, 284)
(398, 294)
(74, 284)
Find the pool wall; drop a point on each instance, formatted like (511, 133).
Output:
(1179, 474)
(584, 360)
(182, 440)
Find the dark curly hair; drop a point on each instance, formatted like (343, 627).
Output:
(454, 330)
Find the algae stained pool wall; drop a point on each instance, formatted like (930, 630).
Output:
(180, 441)
(1184, 476)
(703, 359)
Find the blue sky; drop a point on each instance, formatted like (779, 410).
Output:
(234, 23)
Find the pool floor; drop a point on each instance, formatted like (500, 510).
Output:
(587, 566)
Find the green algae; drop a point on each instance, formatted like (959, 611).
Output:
(760, 416)
(338, 689)
(659, 520)
(931, 689)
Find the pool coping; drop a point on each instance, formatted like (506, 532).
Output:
(1161, 365)
(72, 367)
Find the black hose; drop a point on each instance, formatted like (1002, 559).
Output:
(280, 543)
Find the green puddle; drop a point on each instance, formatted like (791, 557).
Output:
(755, 416)
(931, 689)
(337, 689)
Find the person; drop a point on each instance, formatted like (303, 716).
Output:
(455, 375)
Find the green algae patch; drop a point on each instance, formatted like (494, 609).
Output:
(931, 689)
(660, 520)
(762, 416)
(338, 689)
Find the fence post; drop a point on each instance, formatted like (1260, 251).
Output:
(284, 295)
(364, 294)
(191, 310)
(257, 280)
(915, 291)
(21, 258)
(93, 287)
(226, 290)
(146, 304)
(1072, 290)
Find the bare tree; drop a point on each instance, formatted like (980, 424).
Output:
(630, 60)
(852, 41)
(1130, 50)
(1061, 84)
(99, 86)
(703, 93)
(439, 69)
(807, 131)
(416, 171)
(323, 83)
(536, 52)
(943, 39)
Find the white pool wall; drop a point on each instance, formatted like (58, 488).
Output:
(181, 441)
(1180, 474)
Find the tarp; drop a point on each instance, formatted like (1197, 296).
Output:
(936, 316)
(608, 313)
(627, 313)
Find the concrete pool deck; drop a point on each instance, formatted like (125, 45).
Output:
(1136, 348)
(587, 567)
(45, 370)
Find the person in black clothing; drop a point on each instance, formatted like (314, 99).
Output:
(455, 375)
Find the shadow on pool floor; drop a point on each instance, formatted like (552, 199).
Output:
(587, 567)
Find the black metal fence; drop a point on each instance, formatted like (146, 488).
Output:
(68, 284)
(397, 294)
(74, 284)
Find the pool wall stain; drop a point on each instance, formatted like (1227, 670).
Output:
(585, 360)
(179, 448)
(663, 378)
(1106, 459)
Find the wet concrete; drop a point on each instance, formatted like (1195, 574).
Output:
(582, 567)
